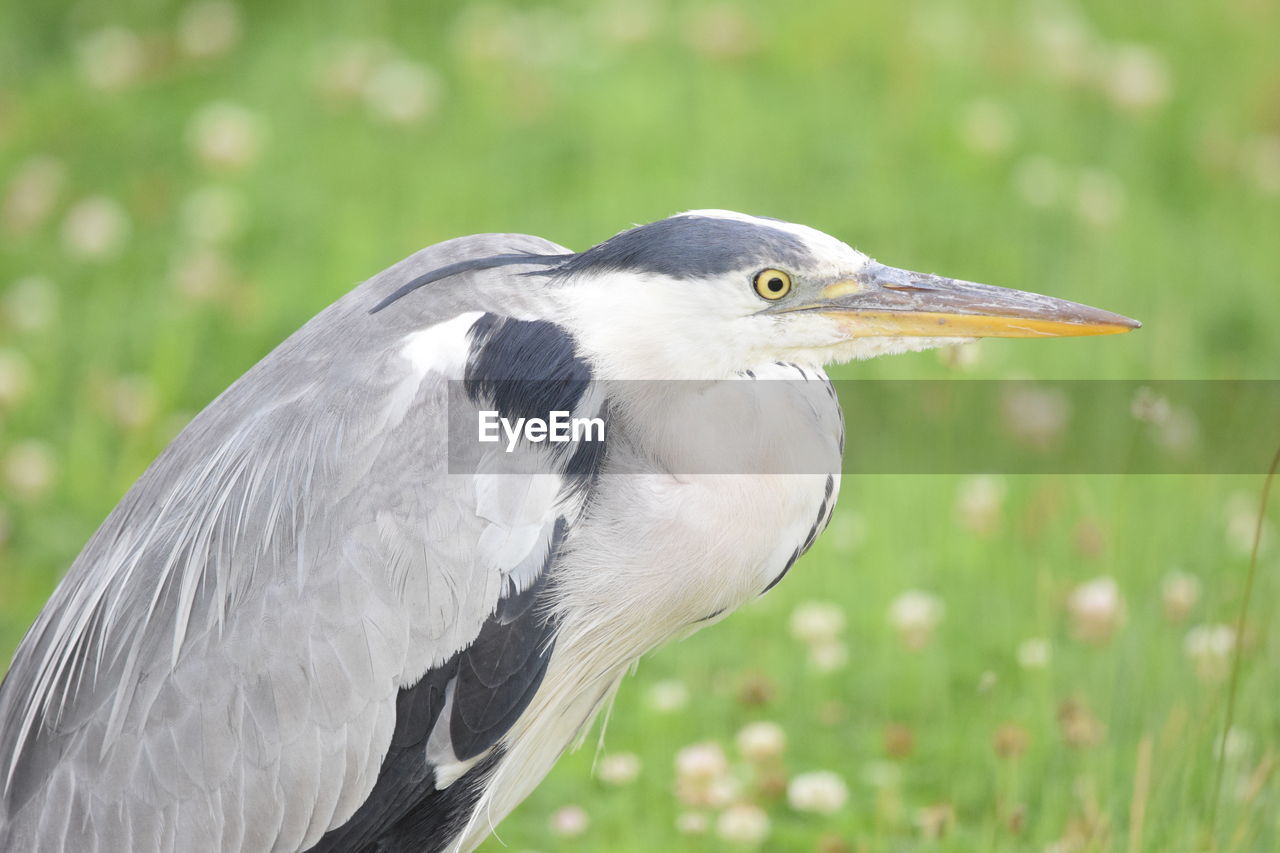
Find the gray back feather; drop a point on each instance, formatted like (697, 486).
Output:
(300, 527)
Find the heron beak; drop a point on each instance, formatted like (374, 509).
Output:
(882, 301)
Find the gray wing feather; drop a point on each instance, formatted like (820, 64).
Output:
(219, 668)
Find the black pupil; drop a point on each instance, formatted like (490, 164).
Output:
(775, 285)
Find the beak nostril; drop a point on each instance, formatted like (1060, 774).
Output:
(910, 288)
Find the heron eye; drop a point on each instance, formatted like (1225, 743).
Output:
(772, 284)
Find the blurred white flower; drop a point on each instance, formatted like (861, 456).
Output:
(1100, 198)
(31, 304)
(550, 36)
(33, 193)
(1263, 163)
(569, 821)
(1136, 77)
(668, 696)
(1038, 180)
(1175, 429)
(1096, 610)
(1034, 653)
(701, 762)
(15, 378)
(1062, 42)
(817, 622)
(1035, 416)
(226, 135)
(619, 768)
(1179, 592)
(914, 615)
(1241, 514)
(821, 792)
(936, 820)
(743, 823)
(722, 31)
(713, 793)
(987, 681)
(692, 823)
(131, 401)
(208, 28)
(30, 469)
(979, 503)
(1149, 406)
(403, 92)
(1236, 745)
(488, 32)
(761, 742)
(345, 67)
(96, 228)
(202, 274)
(942, 29)
(626, 21)
(702, 777)
(828, 655)
(819, 625)
(1179, 432)
(111, 59)
(847, 530)
(1209, 648)
(718, 794)
(987, 127)
(213, 214)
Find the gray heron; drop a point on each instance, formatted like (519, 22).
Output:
(304, 628)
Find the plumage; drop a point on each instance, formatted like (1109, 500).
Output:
(323, 619)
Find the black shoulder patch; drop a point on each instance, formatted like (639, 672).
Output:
(688, 247)
(429, 823)
(526, 368)
(499, 673)
(584, 466)
(406, 782)
(494, 679)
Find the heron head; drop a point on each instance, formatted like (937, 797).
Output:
(711, 292)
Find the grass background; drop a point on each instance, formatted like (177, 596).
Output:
(1109, 153)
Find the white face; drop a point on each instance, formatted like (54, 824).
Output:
(635, 324)
(709, 294)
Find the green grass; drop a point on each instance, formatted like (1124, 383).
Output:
(844, 116)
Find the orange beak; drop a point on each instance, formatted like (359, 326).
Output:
(882, 301)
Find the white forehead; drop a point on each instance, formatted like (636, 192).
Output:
(821, 245)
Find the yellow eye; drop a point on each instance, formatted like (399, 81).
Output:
(772, 284)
